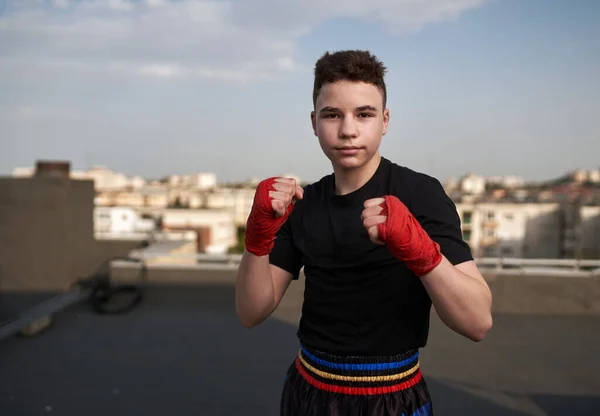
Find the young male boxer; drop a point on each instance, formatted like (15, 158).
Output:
(379, 243)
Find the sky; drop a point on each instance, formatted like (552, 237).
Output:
(159, 87)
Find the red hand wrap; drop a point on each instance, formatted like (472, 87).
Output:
(262, 224)
(406, 239)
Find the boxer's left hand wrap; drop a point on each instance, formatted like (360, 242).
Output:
(406, 239)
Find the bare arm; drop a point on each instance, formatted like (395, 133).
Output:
(260, 285)
(459, 293)
(461, 298)
(259, 288)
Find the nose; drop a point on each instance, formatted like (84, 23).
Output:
(348, 128)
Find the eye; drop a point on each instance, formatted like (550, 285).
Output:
(366, 115)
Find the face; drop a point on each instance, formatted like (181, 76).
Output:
(349, 121)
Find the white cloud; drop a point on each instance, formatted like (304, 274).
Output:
(61, 4)
(236, 40)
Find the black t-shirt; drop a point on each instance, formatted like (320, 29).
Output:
(359, 299)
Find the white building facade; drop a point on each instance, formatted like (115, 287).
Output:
(216, 229)
(522, 230)
(237, 201)
(120, 221)
(472, 184)
(589, 232)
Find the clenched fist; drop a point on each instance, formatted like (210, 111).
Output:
(388, 221)
(273, 202)
(372, 216)
(285, 192)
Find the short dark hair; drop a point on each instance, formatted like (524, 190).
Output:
(349, 65)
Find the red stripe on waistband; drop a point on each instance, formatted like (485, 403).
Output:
(357, 390)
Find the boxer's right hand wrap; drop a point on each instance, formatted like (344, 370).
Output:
(263, 224)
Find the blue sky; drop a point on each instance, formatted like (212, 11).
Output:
(157, 87)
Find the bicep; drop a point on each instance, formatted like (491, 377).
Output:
(281, 281)
(469, 268)
(285, 255)
(285, 261)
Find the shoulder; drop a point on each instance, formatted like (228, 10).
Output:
(436, 212)
(317, 189)
(413, 185)
(314, 193)
(320, 184)
(427, 199)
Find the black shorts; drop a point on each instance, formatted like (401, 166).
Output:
(320, 384)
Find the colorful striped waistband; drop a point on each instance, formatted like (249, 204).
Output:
(359, 375)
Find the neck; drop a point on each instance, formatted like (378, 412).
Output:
(349, 180)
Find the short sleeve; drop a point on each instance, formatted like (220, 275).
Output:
(438, 216)
(284, 253)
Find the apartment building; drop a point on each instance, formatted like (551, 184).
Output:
(472, 184)
(508, 229)
(119, 199)
(200, 181)
(117, 221)
(589, 232)
(581, 175)
(216, 229)
(237, 201)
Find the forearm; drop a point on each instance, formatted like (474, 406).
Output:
(254, 290)
(462, 302)
(459, 293)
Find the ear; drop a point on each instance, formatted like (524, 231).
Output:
(313, 120)
(386, 120)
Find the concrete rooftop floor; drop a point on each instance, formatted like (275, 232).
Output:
(183, 352)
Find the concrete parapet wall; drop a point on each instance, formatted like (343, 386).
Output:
(545, 294)
(47, 234)
(46, 227)
(512, 294)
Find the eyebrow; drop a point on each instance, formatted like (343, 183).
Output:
(335, 109)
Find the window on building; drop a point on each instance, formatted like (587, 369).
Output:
(467, 235)
(507, 251)
(509, 216)
(489, 233)
(490, 251)
(490, 215)
(467, 217)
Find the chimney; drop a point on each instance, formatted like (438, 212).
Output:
(57, 169)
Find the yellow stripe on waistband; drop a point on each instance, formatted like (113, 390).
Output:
(368, 379)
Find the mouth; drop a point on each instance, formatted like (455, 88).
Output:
(349, 150)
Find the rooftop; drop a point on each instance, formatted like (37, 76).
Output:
(183, 352)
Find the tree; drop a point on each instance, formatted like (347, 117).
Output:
(239, 247)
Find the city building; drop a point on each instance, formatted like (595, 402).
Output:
(582, 175)
(200, 181)
(505, 229)
(216, 229)
(116, 221)
(237, 201)
(472, 184)
(508, 181)
(589, 232)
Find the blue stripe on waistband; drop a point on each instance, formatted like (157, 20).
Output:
(365, 366)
